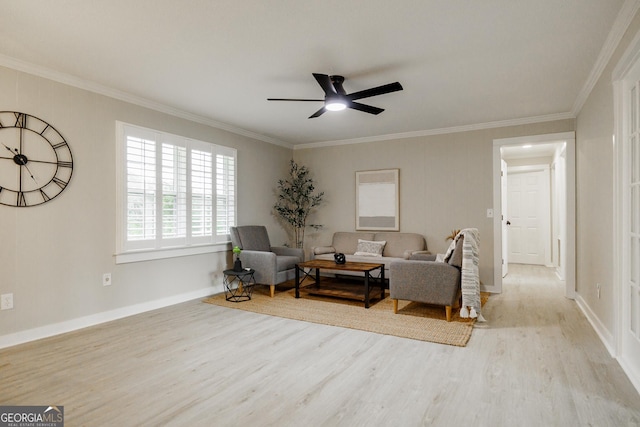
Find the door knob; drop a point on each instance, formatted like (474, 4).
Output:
(508, 222)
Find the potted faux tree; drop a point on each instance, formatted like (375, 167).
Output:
(296, 199)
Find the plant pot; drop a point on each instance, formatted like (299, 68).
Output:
(237, 265)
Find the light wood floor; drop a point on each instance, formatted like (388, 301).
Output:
(537, 362)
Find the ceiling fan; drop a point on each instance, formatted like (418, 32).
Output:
(336, 99)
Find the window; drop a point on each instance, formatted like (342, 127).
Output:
(174, 192)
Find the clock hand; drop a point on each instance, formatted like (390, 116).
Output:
(8, 148)
(23, 162)
(30, 173)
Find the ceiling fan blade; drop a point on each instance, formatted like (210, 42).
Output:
(365, 108)
(375, 91)
(294, 99)
(318, 113)
(325, 83)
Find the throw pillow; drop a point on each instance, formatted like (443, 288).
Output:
(320, 250)
(370, 248)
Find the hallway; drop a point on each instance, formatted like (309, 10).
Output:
(543, 278)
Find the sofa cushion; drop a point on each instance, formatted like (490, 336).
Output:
(399, 243)
(370, 248)
(347, 242)
(319, 250)
(422, 256)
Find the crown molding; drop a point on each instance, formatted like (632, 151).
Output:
(73, 81)
(441, 131)
(620, 26)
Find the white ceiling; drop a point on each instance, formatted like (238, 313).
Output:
(462, 63)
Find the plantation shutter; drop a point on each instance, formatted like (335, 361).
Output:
(178, 192)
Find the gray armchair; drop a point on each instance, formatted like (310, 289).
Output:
(422, 279)
(273, 264)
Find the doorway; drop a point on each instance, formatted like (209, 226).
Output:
(543, 205)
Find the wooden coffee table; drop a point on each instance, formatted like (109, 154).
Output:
(365, 267)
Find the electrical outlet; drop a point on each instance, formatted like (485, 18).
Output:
(6, 301)
(106, 279)
(489, 213)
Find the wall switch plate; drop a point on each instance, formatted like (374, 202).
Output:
(106, 279)
(489, 213)
(6, 301)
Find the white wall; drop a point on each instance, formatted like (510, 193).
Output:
(595, 202)
(446, 183)
(52, 256)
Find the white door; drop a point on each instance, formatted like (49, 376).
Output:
(525, 198)
(505, 210)
(631, 226)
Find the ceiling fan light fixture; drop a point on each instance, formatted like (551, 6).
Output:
(335, 105)
(336, 99)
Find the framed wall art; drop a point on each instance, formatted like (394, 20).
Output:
(378, 200)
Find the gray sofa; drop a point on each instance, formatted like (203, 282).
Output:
(398, 246)
(422, 279)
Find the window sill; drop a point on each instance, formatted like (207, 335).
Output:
(155, 254)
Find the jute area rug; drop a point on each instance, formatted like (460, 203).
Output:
(414, 320)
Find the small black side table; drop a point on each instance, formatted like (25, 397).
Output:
(238, 285)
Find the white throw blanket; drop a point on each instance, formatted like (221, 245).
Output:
(470, 276)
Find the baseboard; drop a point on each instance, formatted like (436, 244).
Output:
(632, 374)
(558, 275)
(609, 342)
(605, 336)
(103, 317)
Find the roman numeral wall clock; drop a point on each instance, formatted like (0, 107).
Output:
(35, 160)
